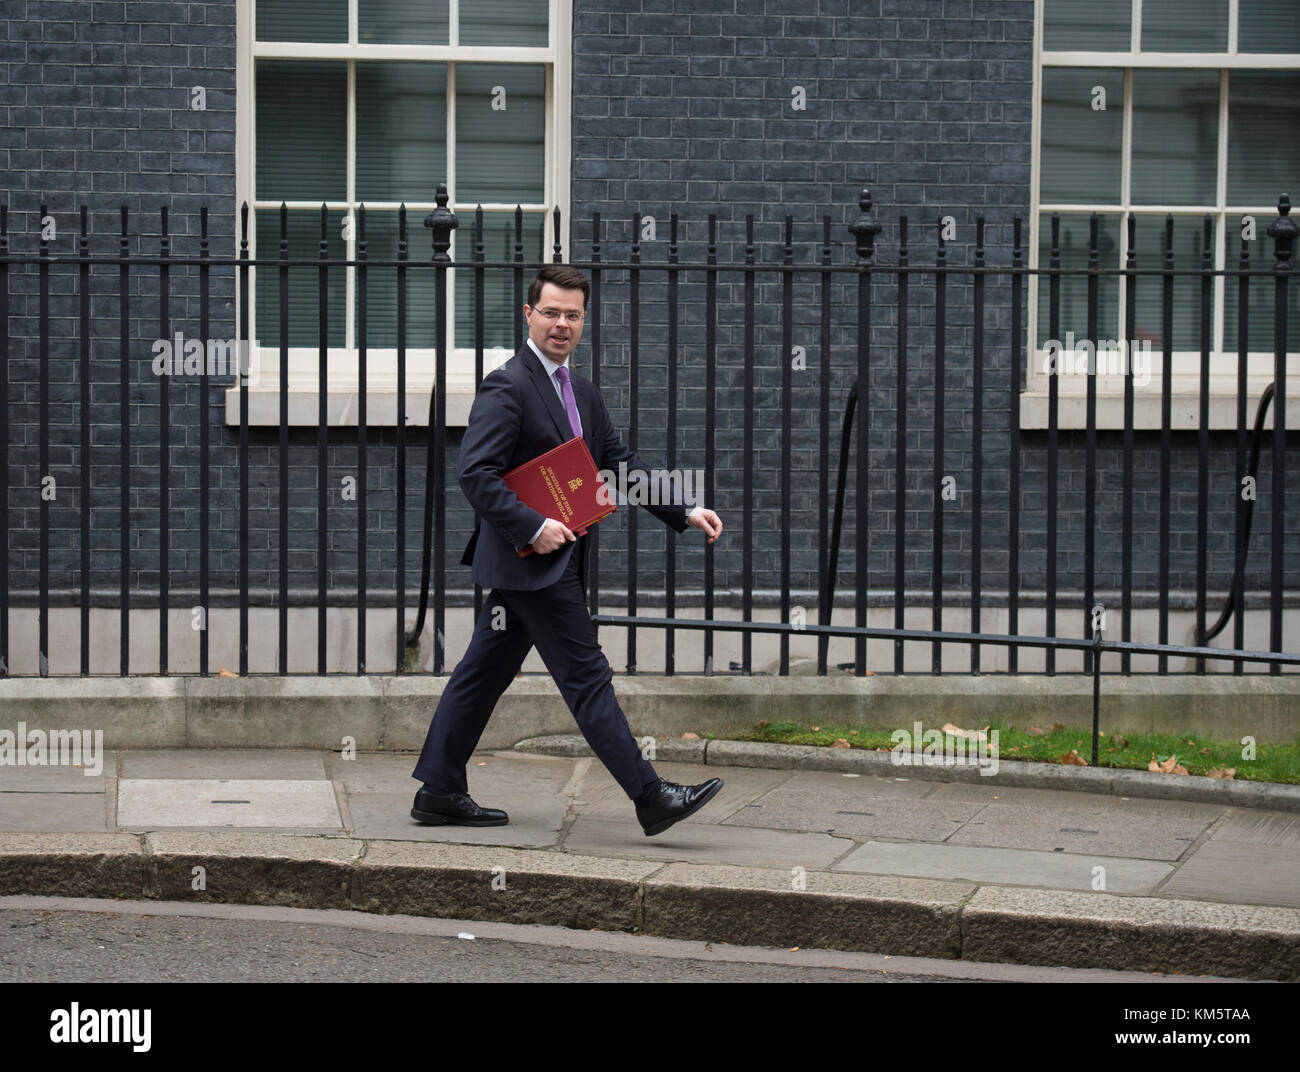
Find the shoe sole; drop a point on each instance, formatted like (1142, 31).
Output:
(664, 824)
(433, 818)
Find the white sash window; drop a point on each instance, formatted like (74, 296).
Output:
(1154, 107)
(376, 102)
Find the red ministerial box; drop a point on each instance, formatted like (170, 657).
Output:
(562, 484)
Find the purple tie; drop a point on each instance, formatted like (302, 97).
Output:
(570, 404)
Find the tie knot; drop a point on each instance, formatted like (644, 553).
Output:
(562, 374)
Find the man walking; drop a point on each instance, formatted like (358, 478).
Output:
(530, 404)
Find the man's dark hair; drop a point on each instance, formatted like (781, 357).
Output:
(561, 275)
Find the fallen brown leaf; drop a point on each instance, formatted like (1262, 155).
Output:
(1073, 759)
(841, 743)
(1058, 725)
(956, 731)
(690, 736)
(1169, 766)
(1222, 772)
(223, 672)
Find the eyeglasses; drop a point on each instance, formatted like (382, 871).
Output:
(555, 314)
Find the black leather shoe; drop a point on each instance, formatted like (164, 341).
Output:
(455, 809)
(659, 808)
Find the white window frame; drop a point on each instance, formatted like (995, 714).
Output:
(342, 386)
(1185, 390)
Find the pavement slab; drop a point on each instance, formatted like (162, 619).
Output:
(714, 842)
(146, 803)
(63, 812)
(1109, 833)
(1087, 803)
(598, 796)
(535, 822)
(1253, 871)
(1260, 828)
(489, 772)
(58, 779)
(857, 807)
(245, 763)
(1007, 867)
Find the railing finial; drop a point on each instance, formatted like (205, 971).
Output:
(1283, 232)
(442, 221)
(864, 229)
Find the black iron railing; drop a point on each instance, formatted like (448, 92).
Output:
(859, 272)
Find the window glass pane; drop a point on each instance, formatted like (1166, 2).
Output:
(1081, 151)
(1261, 297)
(504, 22)
(1087, 25)
(402, 22)
(292, 20)
(381, 282)
(500, 132)
(1267, 26)
(301, 120)
(401, 131)
(1074, 288)
(1175, 137)
(1184, 25)
(1149, 322)
(1263, 150)
(500, 310)
(304, 241)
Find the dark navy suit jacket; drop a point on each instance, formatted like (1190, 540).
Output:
(516, 416)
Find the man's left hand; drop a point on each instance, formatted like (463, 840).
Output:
(708, 521)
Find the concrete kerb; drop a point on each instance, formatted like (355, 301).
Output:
(393, 712)
(1030, 926)
(901, 916)
(1020, 773)
(74, 865)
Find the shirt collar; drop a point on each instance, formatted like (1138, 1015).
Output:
(550, 366)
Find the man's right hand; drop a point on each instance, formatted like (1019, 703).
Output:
(554, 535)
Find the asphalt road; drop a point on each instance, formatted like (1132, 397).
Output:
(45, 939)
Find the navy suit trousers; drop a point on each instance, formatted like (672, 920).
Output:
(556, 620)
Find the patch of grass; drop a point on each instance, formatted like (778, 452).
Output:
(1273, 762)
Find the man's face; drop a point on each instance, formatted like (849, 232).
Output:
(555, 335)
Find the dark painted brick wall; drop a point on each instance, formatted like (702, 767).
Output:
(679, 106)
(689, 108)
